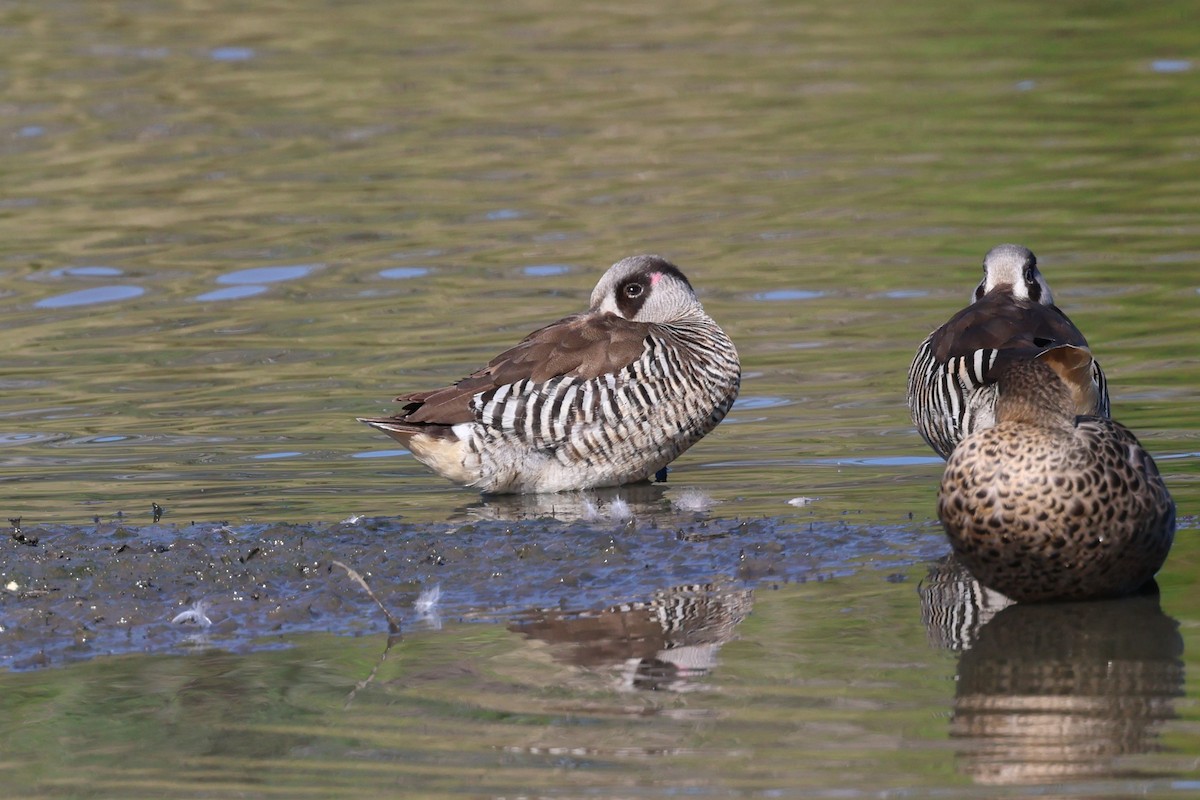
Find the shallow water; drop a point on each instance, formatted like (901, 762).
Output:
(227, 232)
(815, 677)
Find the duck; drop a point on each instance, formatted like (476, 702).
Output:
(605, 397)
(1012, 307)
(1052, 502)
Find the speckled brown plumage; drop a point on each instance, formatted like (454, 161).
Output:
(1048, 505)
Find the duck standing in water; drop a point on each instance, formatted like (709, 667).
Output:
(602, 398)
(1050, 505)
(1013, 309)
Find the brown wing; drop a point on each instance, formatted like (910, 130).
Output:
(583, 345)
(999, 322)
(1073, 365)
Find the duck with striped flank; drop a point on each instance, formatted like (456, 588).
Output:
(1013, 309)
(601, 398)
(1051, 502)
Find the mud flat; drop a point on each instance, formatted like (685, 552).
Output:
(75, 592)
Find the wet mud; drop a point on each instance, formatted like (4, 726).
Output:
(76, 592)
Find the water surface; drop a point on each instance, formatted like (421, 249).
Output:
(226, 232)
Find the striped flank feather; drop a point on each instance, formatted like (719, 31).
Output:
(602, 398)
(951, 388)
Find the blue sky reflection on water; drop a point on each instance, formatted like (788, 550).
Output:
(91, 296)
(251, 282)
(231, 293)
(275, 274)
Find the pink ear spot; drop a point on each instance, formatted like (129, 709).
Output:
(655, 277)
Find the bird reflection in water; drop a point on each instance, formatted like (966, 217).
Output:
(667, 642)
(617, 505)
(1051, 692)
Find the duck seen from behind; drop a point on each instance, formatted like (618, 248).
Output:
(1013, 307)
(1053, 502)
(601, 398)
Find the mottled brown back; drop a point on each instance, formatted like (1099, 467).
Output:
(582, 345)
(1044, 385)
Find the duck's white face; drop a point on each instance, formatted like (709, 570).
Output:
(644, 289)
(1016, 267)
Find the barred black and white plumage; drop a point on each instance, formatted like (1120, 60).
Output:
(949, 395)
(602, 398)
(955, 606)
(663, 642)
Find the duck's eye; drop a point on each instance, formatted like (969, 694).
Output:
(634, 290)
(1029, 275)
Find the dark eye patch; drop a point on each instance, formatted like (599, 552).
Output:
(1031, 278)
(631, 295)
(1032, 286)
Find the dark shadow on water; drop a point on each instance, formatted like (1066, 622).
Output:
(1053, 692)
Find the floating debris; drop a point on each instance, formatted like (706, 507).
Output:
(197, 614)
(801, 502)
(426, 606)
(28, 541)
(619, 510)
(18, 536)
(591, 511)
(394, 631)
(393, 623)
(692, 500)
(427, 600)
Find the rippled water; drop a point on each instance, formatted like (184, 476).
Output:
(225, 232)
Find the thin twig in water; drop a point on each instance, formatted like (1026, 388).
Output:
(393, 623)
(394, 634)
